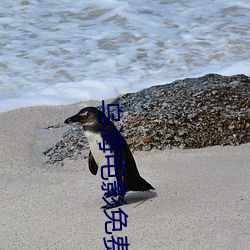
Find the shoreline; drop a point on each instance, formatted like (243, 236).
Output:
(201, 199)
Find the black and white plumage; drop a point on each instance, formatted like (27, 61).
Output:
(88, 117)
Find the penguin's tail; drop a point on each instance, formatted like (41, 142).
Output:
(141, 185)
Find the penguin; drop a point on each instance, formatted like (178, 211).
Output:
(97, 133)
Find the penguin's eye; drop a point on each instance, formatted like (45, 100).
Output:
(84, 115)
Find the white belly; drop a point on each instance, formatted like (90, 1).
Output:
(99, 156)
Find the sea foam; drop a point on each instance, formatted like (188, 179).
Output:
(63, 52)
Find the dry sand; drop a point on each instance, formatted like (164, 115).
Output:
(201, 198)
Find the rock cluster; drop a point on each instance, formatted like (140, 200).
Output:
(190, 113)
(71, 146)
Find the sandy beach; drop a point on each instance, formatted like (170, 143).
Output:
(201, 198)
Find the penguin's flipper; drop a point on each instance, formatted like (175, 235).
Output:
(93, 167)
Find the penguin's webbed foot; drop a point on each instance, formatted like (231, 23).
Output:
(113, 204)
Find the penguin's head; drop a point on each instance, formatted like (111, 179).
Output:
(87, 116)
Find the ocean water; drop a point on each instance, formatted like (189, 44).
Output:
(61, 52)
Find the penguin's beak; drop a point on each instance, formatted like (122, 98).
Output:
(74, 118)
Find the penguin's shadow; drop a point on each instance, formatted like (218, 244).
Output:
(139, 198)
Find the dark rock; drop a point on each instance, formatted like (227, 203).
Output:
(190, 113)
